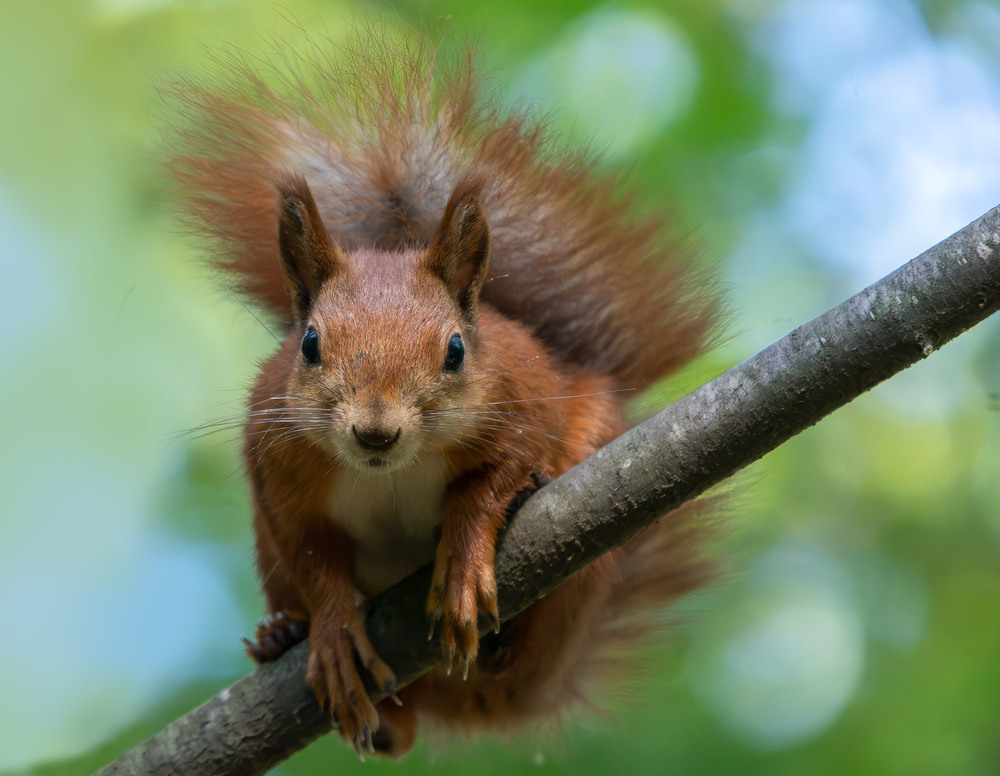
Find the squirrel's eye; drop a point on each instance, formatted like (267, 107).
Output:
(310, 346)
(456, 354)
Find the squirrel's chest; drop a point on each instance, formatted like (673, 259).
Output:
(391, 520)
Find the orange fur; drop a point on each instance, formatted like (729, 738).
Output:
(461, 303)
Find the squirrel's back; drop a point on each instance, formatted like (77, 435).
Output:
(383, 132)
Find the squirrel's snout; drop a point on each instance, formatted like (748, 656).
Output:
(376, 440)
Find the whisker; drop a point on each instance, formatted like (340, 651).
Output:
(354, 487)
(556, 398)
(493, 420)
(254, 315)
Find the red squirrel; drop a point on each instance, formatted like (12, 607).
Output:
(463, 302)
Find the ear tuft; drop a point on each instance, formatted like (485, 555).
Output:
(308, 257)
(460, 252)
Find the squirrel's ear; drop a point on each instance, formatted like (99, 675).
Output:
(308, 257)
(460, 252)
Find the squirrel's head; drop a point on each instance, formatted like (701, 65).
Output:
(385, 346)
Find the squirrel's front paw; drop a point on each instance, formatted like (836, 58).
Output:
(334, 676)
(461, 590)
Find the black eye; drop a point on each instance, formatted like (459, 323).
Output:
(456, 354)
(310, 346)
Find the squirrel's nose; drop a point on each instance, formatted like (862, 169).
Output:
(375, 439)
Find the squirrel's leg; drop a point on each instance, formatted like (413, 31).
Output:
(307, 561)
(286, 623)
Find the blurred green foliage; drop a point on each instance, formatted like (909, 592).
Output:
(857, 628)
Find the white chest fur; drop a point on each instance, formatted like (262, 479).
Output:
(390, 518)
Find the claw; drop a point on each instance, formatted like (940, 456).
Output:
(252, 649)
(449, 649)
(389, 688)
(435, 617)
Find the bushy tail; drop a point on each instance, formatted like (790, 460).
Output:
(383, 131)
(652, 571)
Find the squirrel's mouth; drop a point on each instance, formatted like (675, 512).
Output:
(373, 462)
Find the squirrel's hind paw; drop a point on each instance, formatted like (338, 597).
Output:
(276, 634)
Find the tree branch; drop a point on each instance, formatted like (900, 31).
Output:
(657, 466)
